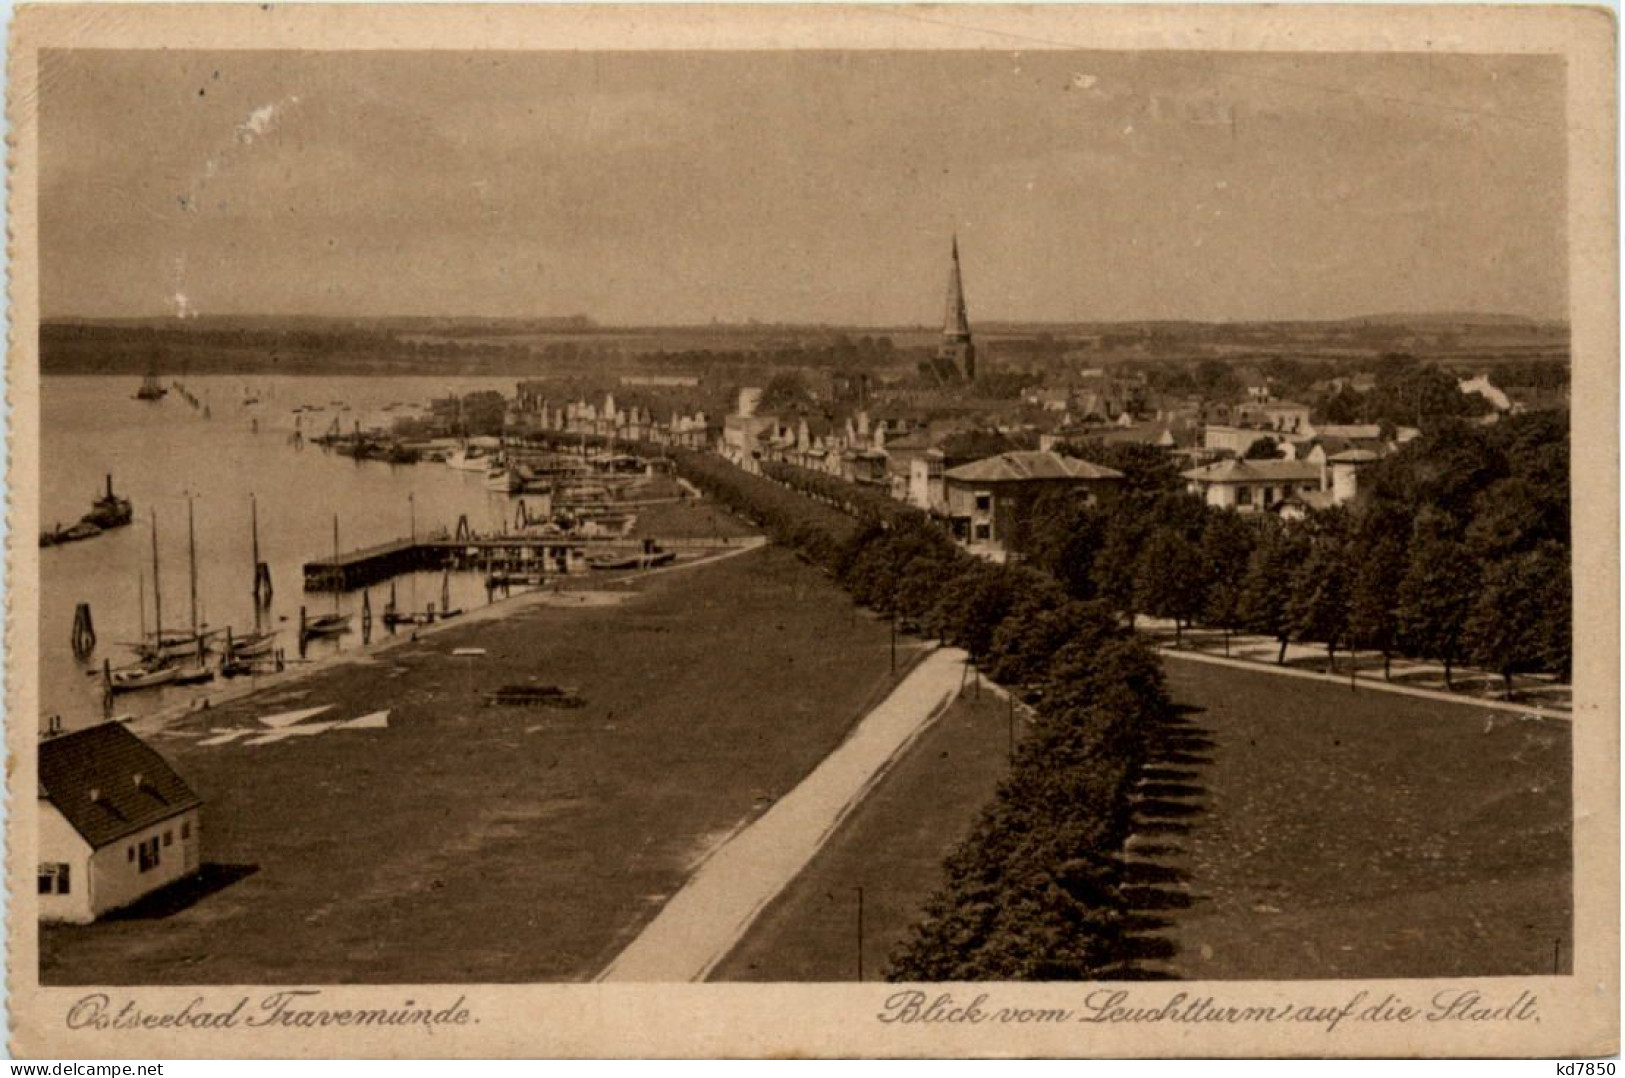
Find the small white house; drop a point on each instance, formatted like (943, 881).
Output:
(116, 823)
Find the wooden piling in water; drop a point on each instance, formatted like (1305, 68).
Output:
(84, 632)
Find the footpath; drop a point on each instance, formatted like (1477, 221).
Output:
(1534, 694)
(704, 920)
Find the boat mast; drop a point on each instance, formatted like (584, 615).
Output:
(191, 559)
(141, 607)
(157, 587)
(335, 562)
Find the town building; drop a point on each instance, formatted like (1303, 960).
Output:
(985, 497)
(1227, 438)
(1252, 486)
(116, 823)
(927, 486)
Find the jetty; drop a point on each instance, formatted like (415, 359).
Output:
(360, 568)
(514, 557)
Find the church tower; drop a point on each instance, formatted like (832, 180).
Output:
(957, 348)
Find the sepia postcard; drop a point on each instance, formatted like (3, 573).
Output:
(834, 531)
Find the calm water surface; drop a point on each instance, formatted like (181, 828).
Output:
(159, 453)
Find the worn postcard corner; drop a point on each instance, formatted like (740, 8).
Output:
(781, 530)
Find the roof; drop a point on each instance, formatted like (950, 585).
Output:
(1024, 465)
(1354, 456)
(1254, 471)
(109, 784)
(1348, 430)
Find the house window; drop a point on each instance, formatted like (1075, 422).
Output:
(1244, 495)
(186, 830)
(984, 532)
(169, 838)
(53, 879)
(129, 853)
(149, 854)
(984, 503)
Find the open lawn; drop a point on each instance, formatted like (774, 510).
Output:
(471, 843)
(1296, 829)
(892, 846)
(1286, 829)
(690, 519)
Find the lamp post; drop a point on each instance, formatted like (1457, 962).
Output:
(860, 934)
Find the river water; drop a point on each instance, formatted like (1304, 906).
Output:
(161, 453)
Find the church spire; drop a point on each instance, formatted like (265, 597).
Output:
(957, 350)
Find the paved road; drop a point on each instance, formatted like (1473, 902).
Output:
(704, 920)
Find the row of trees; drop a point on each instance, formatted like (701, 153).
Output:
(1459, 553)
(1033, 892)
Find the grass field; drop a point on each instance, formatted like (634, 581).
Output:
(1296, 829)
(468, 843)
(689, 520)
(1287, 829)
(892, 846)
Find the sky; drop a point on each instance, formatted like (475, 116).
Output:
(681, 187)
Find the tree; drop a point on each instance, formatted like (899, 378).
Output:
(1169, 579)
(1377, 559)
(1318, 606)
(1263, 449)
(786, 392)
(1119, 555)
(1227, 543)
(1437, 592)
(1215, 380)
(1347, 405)
(1513, 515)
(970, 611)
(1064, 535)
(1145, 468)
(1511, 626)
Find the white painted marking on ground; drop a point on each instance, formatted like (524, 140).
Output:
(274, 736)
(226, 738)
(288, 718)
(468, 651)
(378, 720)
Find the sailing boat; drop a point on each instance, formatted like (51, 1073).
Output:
(198, 674)
(143, 673)
(257, 643)
(167, 646)
(334, 623)
(150, 389)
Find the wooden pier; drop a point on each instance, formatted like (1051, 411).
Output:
(551, 554)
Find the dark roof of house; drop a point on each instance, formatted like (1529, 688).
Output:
(109, 784)
(1029, 464)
